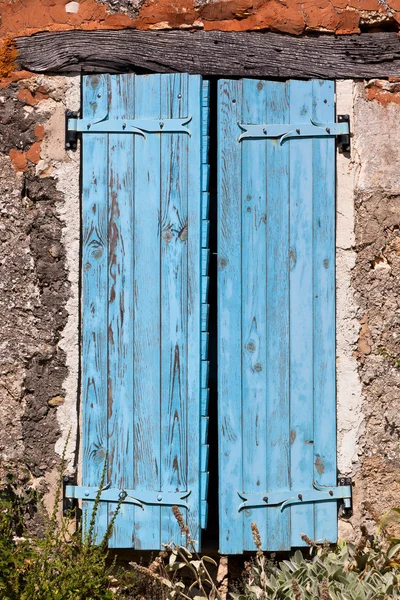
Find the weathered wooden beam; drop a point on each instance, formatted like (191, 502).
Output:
(251, 54)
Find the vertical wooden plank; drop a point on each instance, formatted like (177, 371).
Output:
(147, 300)
(229, 317)
(94, 296)
(174, 274)
(120, 308)
(301, 315)
(277, 470)
(254, 306)
(205, 254)
(194, 257)
(324, 310)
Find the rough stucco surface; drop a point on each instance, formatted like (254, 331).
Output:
(376, 284)
(368, 301)
(34, 277)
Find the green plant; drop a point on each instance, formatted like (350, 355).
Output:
(198, 584)
(394, 359)
(58, 565)
(347, 572)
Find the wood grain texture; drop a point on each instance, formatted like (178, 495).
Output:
(301, 310)
(205, 259)
(277, 372)
(94, 299)
(244, 54)
(147, 351)
(230, 467)
(254, 303)
(144, 383)
(194, 299)
(325, 468)
(276, 311)
(174, 236)
(120, 308)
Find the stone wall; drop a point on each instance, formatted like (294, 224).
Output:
(376, 288)
(39, 232)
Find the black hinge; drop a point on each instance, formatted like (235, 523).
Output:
(343, 140)
(68, 504)
(346, 506)
(71, 136)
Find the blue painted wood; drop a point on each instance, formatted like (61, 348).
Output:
(275, 313)
(120, 307)
(145, 311)
(301, 311)
(174, 235)
(278, 409)
(195, 189)
(324, 312)
(254, 306)
(147, 330)
(230, 407)
(94, 298)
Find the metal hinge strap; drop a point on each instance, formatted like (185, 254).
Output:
(292, 131)
(289, 497)
(138, 126)
(137, 497)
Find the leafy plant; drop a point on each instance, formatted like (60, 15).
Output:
(201, 585)
(347, 572)
(60, 565)
(57, 566)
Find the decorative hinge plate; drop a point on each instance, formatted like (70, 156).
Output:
(137, 497)
(293, 131)
(289, 497)
(138, 126)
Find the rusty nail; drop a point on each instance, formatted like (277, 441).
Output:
(123, 125)
(328, 130)
(331, 492)
(265, 499)
(89, 125)
(297, 130)
(161, 124)
(264, 131)
(300, 496)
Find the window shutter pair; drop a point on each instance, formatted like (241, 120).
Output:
(145, 313)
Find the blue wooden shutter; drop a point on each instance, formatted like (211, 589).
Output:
(144, 303)
(276, 311)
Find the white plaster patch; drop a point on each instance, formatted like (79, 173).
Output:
(72, 7)
(65, 170)
(377, 128)
(350, 419)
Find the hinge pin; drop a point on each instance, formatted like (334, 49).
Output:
(71, 136)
